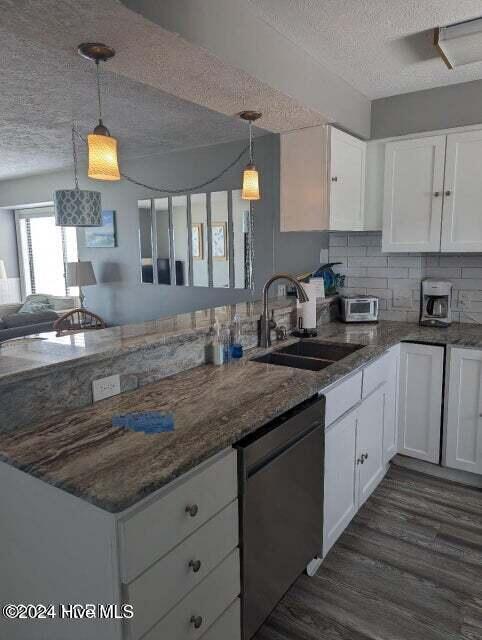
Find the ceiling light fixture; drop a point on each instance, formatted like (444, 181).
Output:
(250, 174)
(460, 44)
(102, 147)
(77, 207)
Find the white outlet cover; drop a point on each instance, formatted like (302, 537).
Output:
(106, 387)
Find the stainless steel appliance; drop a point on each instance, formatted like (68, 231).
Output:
(435, 302)
(281, 499)
(359, 308)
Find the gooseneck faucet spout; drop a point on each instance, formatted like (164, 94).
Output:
(265, 324)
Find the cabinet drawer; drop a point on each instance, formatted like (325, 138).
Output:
(149, 534)
(343, 396)
(161, 587)
(376, 374)
(207, 601)
(228, 627)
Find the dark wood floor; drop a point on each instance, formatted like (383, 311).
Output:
(409, 567)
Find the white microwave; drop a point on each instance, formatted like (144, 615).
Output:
(359, 308)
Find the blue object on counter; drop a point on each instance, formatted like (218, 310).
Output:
(145, 421)
(236, 350)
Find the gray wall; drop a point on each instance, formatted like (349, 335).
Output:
(8, 243)
(120, 297)
(442, 108)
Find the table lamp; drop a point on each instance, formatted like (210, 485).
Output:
(80, 274)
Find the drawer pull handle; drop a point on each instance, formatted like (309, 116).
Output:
(365, 456)
(334, 179)
(192, 510)
(196, 621)
(360, 460)
(448, 192)
(195, 565)
(436, 194)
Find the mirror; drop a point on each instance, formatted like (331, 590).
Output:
(145, 240)
(200, 240)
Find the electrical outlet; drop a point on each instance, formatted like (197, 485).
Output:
(281, 290)
(106, 387)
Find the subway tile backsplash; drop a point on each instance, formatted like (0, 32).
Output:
(395, 278)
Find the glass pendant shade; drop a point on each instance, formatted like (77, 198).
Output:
(103, 163)
(77, 208)
(250, 183)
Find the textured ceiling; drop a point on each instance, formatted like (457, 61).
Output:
(160, 92)
(380, 47)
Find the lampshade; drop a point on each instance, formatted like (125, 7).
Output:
(3, 271)
(77, 208)
(79, 274)
(103, 163)
(250, 183)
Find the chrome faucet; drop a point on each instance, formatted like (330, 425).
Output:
(265, 323)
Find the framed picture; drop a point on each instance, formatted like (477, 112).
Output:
(197, 235)
(103, 237)
(220, 240)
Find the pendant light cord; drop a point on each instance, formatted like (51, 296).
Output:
(74, 153)
(250, 142)
(167, 190)
(99, 102)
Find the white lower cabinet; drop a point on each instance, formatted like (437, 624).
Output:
(341, 500)
(369, 458)
(359, 445)
(463, 413)
(420, 401)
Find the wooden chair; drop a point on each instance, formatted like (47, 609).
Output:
(78, 320)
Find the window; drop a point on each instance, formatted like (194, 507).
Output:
(43, 250)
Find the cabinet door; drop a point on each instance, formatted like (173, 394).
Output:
(390, 422)
(303, 180)
(420, 401)
(340, 501)
(463, 420)
(347, 181)
(412, 200)
(462, 222)
(369, 458)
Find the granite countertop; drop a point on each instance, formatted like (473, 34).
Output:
(32, 356)
(213, 408)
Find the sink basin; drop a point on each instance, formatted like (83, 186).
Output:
(299, 362)
(309, 354)
(325, 350)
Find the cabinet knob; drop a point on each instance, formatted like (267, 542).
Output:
(436, 194)
(195, 565)
(360, 460)
(448, 193)
(334, 179)
(192, 510)
(196, 621)
(365, 456)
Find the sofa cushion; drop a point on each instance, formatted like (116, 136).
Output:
(62, 303)
(35, 307)
(27, 319)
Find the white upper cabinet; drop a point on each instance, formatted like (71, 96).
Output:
(462, 211)
(413, 194)
(347, 181)
(463, 413)
(322, 175)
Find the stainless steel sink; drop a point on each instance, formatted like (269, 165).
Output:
(325, 350)
(309, 354)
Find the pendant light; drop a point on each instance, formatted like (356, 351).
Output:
(102, 147)
(250, 174)
(77, 207)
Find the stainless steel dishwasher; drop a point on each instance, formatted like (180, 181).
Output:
(281, 502)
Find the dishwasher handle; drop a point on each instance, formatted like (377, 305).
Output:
(260, 447)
